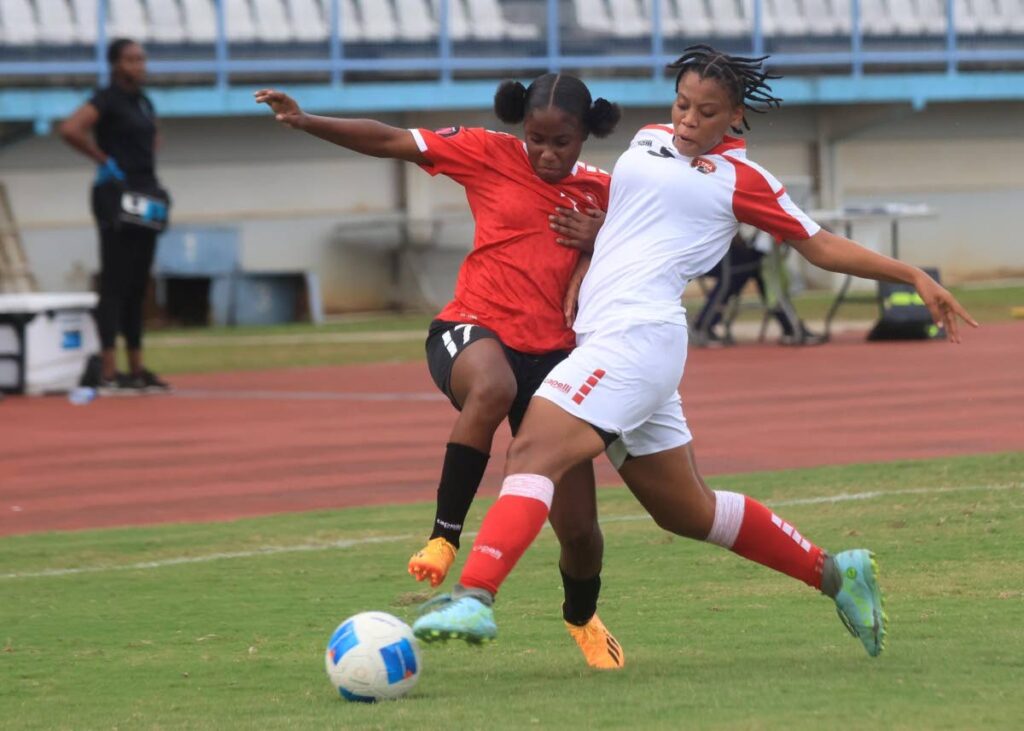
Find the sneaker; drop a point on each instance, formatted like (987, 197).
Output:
(149, 382)
(92, 374)
(597, 644)
(466, 618)
(859, 601)
(120, 385)
(433, 561)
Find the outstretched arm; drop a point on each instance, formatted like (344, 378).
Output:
(838, 254)
(365, 136)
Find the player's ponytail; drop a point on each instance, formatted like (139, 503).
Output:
(510, 102)
(602, 117)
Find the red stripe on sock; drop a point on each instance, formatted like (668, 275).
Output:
(773, 542)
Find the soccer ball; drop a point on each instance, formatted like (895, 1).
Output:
(371, 657)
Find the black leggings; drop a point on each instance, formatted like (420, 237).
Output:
(126, 255)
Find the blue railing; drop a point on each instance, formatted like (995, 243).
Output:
(335, 63)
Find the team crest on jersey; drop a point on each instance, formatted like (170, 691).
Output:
(703, 166)
(448, 131)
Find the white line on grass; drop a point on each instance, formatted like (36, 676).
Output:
(370, 540)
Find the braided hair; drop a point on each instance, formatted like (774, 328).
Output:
(513, 101)
(743, 78)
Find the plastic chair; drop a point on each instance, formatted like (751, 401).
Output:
(271, 21)
(414, 20)
(165, 22)
(127, 19)
(308, 21)
(56, 25)
(378, 20)
(198, 20)
(592, 15)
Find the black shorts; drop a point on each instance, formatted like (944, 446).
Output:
(445, 340)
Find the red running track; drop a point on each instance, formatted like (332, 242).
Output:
(253, 443)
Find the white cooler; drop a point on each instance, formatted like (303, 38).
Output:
(45, 340)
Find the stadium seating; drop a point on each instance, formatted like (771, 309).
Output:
(694, 19)
(54, 23)
(308, 22)
(458, 20)
(85, 20)
(165, 21)
(241, 28)
(378, 20)
(488, 22)
(19, 24)
(271, 21)
(198, 20)
(128, 20)
(415, 22)
(592, 16)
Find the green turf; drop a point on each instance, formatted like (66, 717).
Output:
(205, 349)
(711, 640)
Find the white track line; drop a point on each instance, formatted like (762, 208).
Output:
(357, 338)
(370, 540)
(265, 395)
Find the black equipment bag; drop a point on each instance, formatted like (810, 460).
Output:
(904, 315)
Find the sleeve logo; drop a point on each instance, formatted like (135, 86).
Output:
(448, 131)
(703, 166)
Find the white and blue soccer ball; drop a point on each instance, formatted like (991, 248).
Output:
(373, 656)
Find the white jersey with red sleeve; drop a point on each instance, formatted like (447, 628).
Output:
(670, 219)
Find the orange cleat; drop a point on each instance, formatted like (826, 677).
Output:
(433, 561)
(600, 649)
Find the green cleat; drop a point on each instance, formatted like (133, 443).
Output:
(465, 618)
(859, 601)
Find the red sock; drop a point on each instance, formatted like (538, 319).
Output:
(745, 526)
(508, 530)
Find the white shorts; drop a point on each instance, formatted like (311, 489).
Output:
(625, 380)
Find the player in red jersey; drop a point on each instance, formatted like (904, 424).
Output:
(678, 195)
(535, 207)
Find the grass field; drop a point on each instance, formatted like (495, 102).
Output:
(381, 338)
(222, 626)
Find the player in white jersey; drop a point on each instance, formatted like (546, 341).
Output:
(678, 195)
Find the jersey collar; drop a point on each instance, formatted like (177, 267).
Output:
(526, 156)
(728, 143)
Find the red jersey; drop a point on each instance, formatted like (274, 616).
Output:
(514, 280)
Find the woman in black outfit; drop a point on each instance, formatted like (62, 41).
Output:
(117, 129)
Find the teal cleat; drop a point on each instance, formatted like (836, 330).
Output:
(465, 618)
(859, 601)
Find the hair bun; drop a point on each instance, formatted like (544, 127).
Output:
(602, 117)
(510, 102)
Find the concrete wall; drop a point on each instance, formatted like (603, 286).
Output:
(288, 193)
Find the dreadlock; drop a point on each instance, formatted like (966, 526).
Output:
(744, 78)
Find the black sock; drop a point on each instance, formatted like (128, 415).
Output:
(460, 477)
(580, 598)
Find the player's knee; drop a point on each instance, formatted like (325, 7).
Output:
(491, 398)
(581, 539)
(686, 525)
(524, 454)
